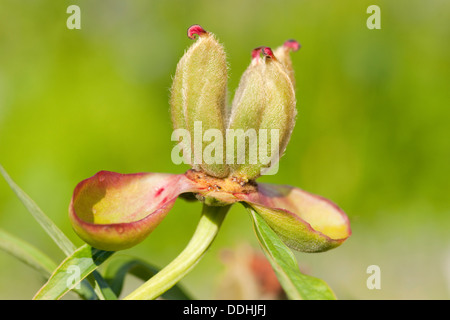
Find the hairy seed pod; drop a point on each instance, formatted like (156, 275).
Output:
(198, 99)
(262, 116)
(283, 55)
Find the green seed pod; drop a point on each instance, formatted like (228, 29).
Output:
(283, 55)
(198, 99)
(262, 117)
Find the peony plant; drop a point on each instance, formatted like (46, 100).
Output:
(228, 147)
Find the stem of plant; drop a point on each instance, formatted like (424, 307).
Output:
(207, 229)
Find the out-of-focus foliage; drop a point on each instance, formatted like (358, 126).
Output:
(372, 132)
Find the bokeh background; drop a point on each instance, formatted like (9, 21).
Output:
(372, 133)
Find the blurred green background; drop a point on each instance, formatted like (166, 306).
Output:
(372, 133)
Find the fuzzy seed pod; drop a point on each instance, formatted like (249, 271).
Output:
(198, 99)
(283, 55)
(263, 112)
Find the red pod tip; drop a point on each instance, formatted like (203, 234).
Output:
(292, 45)
(195, 30)
(256, 52)
(267, 52)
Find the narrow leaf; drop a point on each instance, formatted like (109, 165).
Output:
(118, 267)
(52, 230)
(71, 271)
(296, 285)
(27, 253)
(101, 287)
(38, 260)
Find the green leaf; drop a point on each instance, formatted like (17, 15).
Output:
(118, 267)
(57, 235)
(72, 271)
(38, 260)
(296, 285)
(101, 286)
(52, 230)
(27, 253)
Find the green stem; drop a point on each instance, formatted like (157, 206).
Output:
(204, 235)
